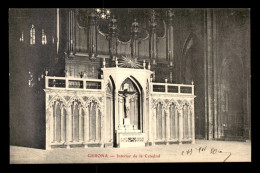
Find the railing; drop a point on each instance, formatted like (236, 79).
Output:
(172, 88)
(70, 83)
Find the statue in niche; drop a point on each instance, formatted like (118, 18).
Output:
(126, 97)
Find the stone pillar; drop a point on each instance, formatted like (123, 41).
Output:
(97, 124)
(144, 112)
(86, 127)
(104, 122)
(116, 109)
(176, 123)
(190, 123)
(167, 125)
(80, 124)
(48, 125)
(163, 123)
(72, 124)
(154, 125)
(150, 121)
(51, 125)
(62, 125)
(55, 122)
(193, 125)
(68, 127)
(111, 119)
(210, 74)
(180, 112)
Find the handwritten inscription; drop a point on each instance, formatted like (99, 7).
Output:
(204, 149)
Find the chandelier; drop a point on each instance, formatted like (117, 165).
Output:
(102, 13)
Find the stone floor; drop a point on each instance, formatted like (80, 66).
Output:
(202, 151)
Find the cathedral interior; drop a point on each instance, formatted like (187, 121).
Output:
(205, 48)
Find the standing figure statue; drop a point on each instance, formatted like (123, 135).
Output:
(125, 94)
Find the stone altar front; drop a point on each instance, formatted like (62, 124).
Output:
(129, 136)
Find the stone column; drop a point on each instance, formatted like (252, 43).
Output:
(111, 119)
(210, 73)
(116, 109)
(189, 122)
(51, 125)
(48, 125)
(68, 127)
(72, 124)
(97, 124)
(150, 121)
(144, 112)
(163, 123)
(154, 125)
(55, 122)
(80, 124)
(86, 127)
(62, 125)
(104, 122)
(167, 125)
(176, 122)
(180, 112)
(193, 125)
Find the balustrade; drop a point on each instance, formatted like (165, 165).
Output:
(172, 88)
(69, 83)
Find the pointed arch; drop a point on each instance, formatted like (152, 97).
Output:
(92, 98)
(185, 102)
(57, 97)
(75, 97)
(231, 97)
(156, 101)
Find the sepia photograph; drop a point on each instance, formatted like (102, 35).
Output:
(129, 85)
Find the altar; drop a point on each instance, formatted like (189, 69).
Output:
(124, 108)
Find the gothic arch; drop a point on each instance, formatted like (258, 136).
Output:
(92, 98)
(231, 98)
(156, 101)
(174, 102)
(73, 98)
(186, 102)
(135, 82)
(55, 98)
(189, 65)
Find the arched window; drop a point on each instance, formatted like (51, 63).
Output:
(44, 38)
(21, 38)
(32, 35)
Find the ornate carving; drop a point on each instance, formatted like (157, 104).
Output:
(91, 99)
(56, 98)
(156, 101)
(76, 99)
